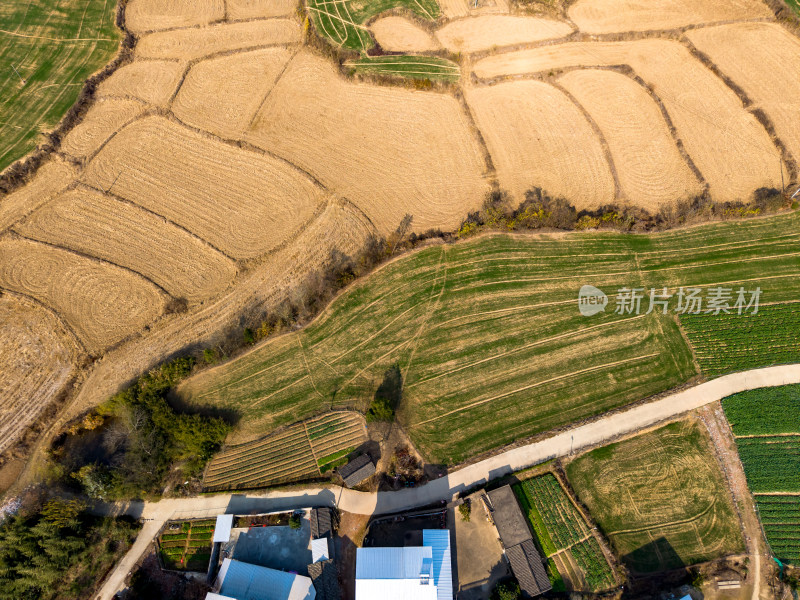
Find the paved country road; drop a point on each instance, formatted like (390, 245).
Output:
(445, 488)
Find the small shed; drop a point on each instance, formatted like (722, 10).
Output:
(357, 470)
(326, 580)
(319, 550)
(222, 530)
(523, 557)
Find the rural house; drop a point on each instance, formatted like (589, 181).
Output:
(515, 535)
(419, 572)
(357, 470)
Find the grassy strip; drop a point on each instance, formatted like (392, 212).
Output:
(334, 457)
(408, 67)
(342, 21)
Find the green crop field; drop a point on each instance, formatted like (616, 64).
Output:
(409, 67)
(773, 329)
(300, 452)
(342, 22)
(188, 549)
(766, 423)
(660, 497)
(489, 339)
(564, 535)
(47, 50)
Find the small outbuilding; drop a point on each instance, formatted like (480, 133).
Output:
(515, 535)
(357, 470)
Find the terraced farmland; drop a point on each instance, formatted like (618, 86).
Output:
(766, 423)
(342, 21)
(564, 535)
(489, 338)
(47, 50)
(660, 498)
(411, 67)
(299, 452)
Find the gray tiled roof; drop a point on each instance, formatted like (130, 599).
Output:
(508, 517)
(321, 522)
(357, 470)
(326, 581)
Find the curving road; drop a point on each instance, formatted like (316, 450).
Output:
(563, 444)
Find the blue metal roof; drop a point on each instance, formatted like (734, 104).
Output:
(439, 542)
(393, 563)
(244, 581)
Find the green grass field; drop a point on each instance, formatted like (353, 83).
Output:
(54, 45)
(795, 5)
(766, 423)
(660, 498)
(564, 535)
(408, 67)
(342, 21)
(489, 339)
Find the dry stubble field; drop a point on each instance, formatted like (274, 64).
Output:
(271, 175)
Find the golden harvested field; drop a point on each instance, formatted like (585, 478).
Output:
(153, 81)
(651, 171)
(92, 223)
(255, 9)
(150, 15)
(100, 302)
(420, 156)
(53, 177)
(612, 16)
(36, 361)
(764, 60)
(222, 95)
(483, 32)
(401, 35)
(103, 120)
(537, 136)
(731, 149)
(206, 186)
(227, 160)
(259, 288)
(191, 44)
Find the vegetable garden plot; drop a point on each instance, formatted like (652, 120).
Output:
(300, 452)
(560, 528)
(766, 424)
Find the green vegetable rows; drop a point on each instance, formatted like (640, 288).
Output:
(730, 342)
(560, 527)
(770, 454)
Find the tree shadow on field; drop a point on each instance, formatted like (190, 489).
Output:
(653, 557)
